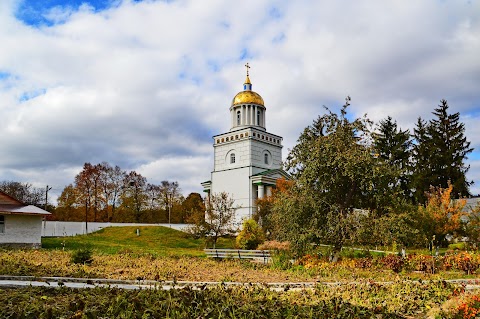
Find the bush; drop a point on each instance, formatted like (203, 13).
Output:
(251, 235)
(457, 246)
(395, 263)
(275, 245)
(468, 263)
(82, 256)
(281, 259)
(425, 263)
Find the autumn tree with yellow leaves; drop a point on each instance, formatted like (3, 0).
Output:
(441, 216)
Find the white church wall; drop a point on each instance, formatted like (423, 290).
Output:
(236, 183)
(222, 155)
(258, 151)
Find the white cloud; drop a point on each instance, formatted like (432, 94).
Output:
(145, 85)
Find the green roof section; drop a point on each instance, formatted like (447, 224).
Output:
(272, 172)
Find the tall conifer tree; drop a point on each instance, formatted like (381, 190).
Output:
(440, 151)
(450, 148)
(422, 168)
(394, 147)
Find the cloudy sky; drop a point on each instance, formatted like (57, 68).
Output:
(146, 84)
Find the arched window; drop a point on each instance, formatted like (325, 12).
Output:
(232, 158)
(238, 117)
(258, 117)
(266, 158)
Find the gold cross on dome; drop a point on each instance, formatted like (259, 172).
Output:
(248, 67)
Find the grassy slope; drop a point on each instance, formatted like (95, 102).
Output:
(162, 241)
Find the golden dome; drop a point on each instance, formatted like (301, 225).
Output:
(247, 97)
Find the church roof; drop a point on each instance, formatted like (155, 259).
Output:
(273, 172)
(247, 96)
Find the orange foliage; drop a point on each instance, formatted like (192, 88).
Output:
(284, 185)
(444, 212)
(470, 308)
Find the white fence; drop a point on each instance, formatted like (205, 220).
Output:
(62, 229)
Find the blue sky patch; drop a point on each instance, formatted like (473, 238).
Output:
(35, 12)
(225, 24)
(279, 38)
(475, 155)
(4, 75)
(245, 55)
(275, 13)
(213, 66)
(32, 94)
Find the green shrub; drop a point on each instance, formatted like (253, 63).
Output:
(457, 246)
(251, 235)
(82, 256)
(281, 259)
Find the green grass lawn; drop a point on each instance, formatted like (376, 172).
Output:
(157, 240)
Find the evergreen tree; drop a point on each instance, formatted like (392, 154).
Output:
(394, 147)
(450, 150)
(440, 151)
(422, 169)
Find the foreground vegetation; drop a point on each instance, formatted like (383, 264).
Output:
(363, 300)
(139, 266)
(366, 286)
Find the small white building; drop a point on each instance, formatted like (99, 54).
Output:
(20, 224)
(248, 159)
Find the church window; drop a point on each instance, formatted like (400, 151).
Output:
(232, 158)
(236, 137)
(238, 117)
(2, 224)
(227, 139)
(258, 117)
(241, 135)
(254, 134)
(218, 141)
(263, 137)
(266, 158)
(222, 140)
(246, 134)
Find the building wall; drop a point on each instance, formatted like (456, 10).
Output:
(236, 183)
(249, 146)
(259, 148)
(22, 230)
(241, 149)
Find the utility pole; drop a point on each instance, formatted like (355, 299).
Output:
(169, 196)
(46, 196)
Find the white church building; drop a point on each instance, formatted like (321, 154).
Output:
(247, 158)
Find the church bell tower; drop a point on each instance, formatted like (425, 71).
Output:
(248, 159)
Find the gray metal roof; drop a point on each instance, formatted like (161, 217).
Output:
(22, 210)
